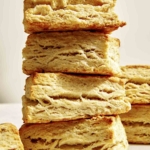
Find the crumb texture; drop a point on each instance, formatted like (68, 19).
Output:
(106, 132)
(9, 137)
(54, 96)
(137, 124)
(60, 4)
(136, 73)
(138, 93)
(72, 17)
(79, 52)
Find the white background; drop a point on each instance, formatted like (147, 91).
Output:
(134, 37)
(12, 41)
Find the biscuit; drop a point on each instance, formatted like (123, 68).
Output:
(76, 52)
(136, 73)
(55, 97)
(137, 83)
(137, 124)
(58, 4)
(85, 134)
(137, 93)
(73, 17)
(9, 137)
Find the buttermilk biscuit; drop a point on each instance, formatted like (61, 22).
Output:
(9, 137)
(54, 97)
(78, 52)
(58, 4)
(136, 73)
(72, 17)
(137, 93)
(137, 124)
(137, 85)
(85, 134)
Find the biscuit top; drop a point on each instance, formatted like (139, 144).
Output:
(57, 4)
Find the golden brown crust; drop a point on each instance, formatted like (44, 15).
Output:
(95, 133)
(57, 4)
(75, 85)
(136, 66)
(73, 17)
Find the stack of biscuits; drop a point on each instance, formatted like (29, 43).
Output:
(73, 97)
(137, 120)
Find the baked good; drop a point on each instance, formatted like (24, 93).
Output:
(137, 93)
(72, 17)
(76, 51)
(86, 134)
(56, 96)
(9, 137)
(136, 121)
(137, 85)
(136, 73)
(37, 112)
(57, 4)
(137, 124)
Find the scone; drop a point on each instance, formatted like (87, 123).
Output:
(85, 134)
(76, 52)
(9, 137)
(57, 4)
(56, 96)
(137, 124)
(44, 17)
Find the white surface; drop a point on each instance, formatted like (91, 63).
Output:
(12, 113)
(134, 37)
(139, 147)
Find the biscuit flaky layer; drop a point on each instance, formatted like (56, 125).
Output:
(76, 52)
(84, 134)
(137, 93)
(138, 83)
(72, 17)
(9, 137)
(137, 124)
(55, 97)
(138, 74)
(57, 4)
